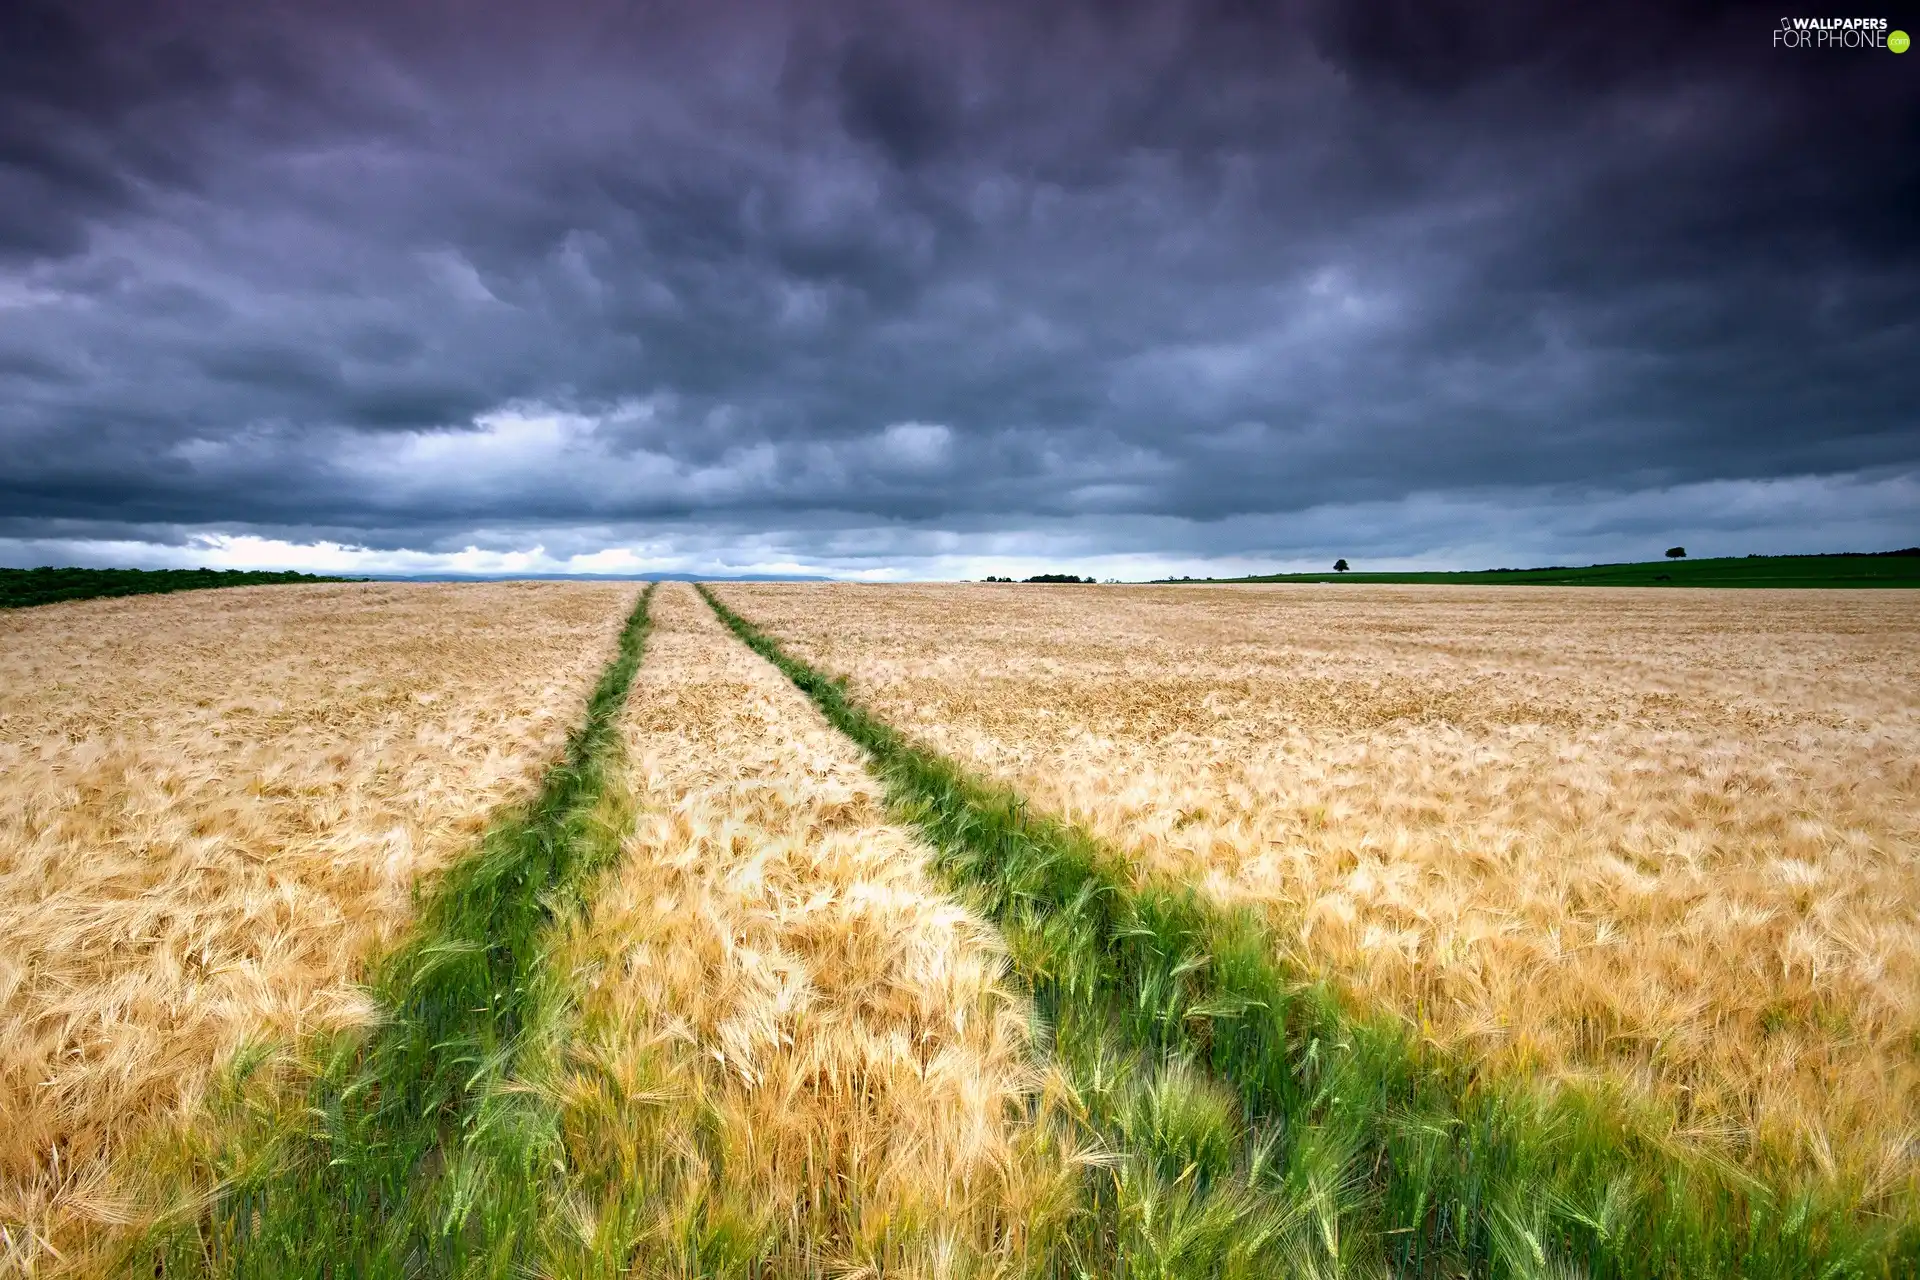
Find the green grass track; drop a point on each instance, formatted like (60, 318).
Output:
(415, 1155)
(1387, 1158)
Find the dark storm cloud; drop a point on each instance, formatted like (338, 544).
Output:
(426, 275)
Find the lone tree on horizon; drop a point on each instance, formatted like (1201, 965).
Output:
(1339, 566)
(1676, 553)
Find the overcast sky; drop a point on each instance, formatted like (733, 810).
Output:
(1122, 287)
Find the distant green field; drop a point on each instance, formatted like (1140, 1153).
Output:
(22, 587)
(1880, 569)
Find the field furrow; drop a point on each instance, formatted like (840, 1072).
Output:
(1662, 844)
(421, 1148)
(214, 809)
(1664, 1197)
(793, 1051)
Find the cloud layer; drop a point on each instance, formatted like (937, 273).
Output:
(892, 289)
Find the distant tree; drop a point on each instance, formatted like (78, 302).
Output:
(1339, 566)
(1676, 553)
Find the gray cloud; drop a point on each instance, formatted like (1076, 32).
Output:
(1179, 280)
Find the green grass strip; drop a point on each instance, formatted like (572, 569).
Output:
(1418, 1166)
(418, 1155)
(21, 588)
(1856, 570)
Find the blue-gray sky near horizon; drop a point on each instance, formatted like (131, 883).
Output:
(1124, 287)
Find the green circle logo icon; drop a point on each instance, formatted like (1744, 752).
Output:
(1897, 41)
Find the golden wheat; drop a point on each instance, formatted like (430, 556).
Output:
(213, 806)
(1664, 841)
(787, 1033)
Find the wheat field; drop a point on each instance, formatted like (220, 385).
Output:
(1664, 844)
(1658, 845)
(771, 968)
(213, 808)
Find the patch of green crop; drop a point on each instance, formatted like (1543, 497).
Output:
(1254, 1107)
(416, 1153)
(20, 588)
(1876, 569)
